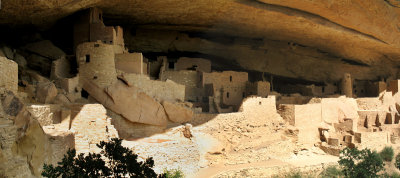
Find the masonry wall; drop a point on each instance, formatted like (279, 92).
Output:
(46, 114)
(90, 125)
(287, 112)
(100, 32)
(9, 74)
(119, 45)
(346, 85)
(169, 90)
(89, 27)
(191, 81)
(199, 64)
(129, 62)
(307, 120)
(233, 94)
(334, 110)
(96, 63)
(367, 88)
(60, 68)
(154, 68)
(259, 88)
(218, 79)
(394, 86)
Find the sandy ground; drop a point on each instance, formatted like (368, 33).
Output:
(229, 145)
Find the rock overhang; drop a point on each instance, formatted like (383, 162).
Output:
(365, 32)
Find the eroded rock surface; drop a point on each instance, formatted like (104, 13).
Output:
(129, 102)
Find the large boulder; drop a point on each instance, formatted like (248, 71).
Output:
(25, 146)
(126, 100)
(178, 112)
(46, 92)
(8, 52)
(45, 49)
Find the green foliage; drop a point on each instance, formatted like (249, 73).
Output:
(120, 162)
(175, 173)
(393, 175)
(332, 171)
(360, 163)
(397, 161)
(294, 175)
(387, 154)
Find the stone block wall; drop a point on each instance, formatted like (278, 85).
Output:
(191, 80)
(90, 125)
(307, 120)
(394, 86)
(90, 28)
(260, 88)
(60, 68)
(233, 94)
(9, 74)
(96, 63)
(334, 110)
(287, 113)
(198, 64)
(184, 77)
(119, 45)
(218, 79)
(129, 62)
(46, 114)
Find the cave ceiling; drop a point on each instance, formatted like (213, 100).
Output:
(362, 31)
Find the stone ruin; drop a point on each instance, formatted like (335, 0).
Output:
(117, 93)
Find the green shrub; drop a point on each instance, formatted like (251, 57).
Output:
(393, 175)
(397, 161)
(294, 174)
(175, 173)
(121, 162)
(387, 154)
(360, 163)
(332, 171)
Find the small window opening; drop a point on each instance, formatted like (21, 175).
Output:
(84, 94)
(323, 89)
(355, 91)
(362, 91)
(111, 42)
(227, 94)
(87, 58)
(171, 65)
(194, 67)
(259, 103)
(243, 94)
(100, 16)
(96, 45)
(230, 78)
(95, 77)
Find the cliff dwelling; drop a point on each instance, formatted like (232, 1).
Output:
(211, 88)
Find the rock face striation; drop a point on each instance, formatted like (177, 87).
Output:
(262, 35)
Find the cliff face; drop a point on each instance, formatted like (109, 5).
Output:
(348, 35)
